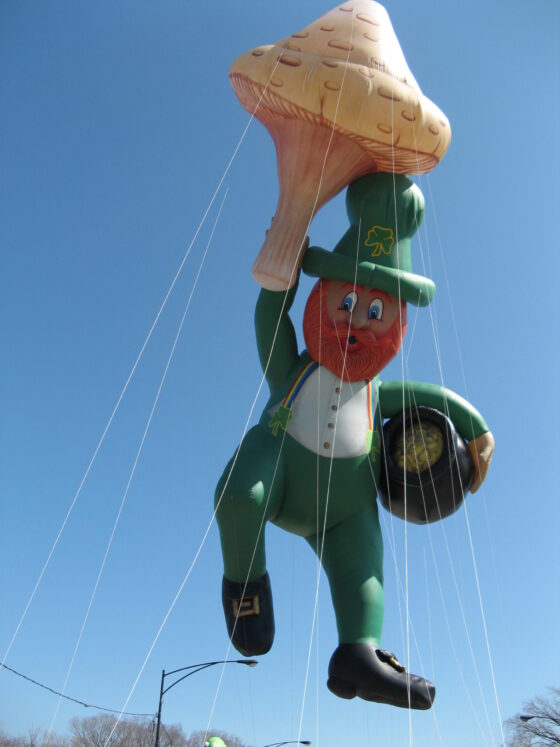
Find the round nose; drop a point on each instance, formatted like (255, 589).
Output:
(360, 318)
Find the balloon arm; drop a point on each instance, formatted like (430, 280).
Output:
(276, 337)
(466, 418)
(468, 421)
(481, 450)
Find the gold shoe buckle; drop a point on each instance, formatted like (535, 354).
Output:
(246, 606)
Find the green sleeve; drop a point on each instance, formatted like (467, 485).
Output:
(466, 419)
(276, 336)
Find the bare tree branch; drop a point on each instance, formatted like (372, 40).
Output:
(538, 725)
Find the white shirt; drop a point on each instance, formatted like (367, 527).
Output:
(330, 416)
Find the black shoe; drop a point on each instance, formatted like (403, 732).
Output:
(249, 615)
(372, 674)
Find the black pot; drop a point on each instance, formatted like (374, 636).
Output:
(438, 469)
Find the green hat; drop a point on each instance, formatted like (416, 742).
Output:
(385, 211)
(215, 742)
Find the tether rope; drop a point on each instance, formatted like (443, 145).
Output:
(401, 356)
(473, 658)
(246, 423)
(261, 529)
(295, 265)
(320, 555)
(440, 367)
(406, 560)
(401, 590)
(402, 593)
(438, 355)
(244, 433)
(471, 650)
(432, 661)
(123, 391)
(461, 364)
(248, 419)
(135, 464)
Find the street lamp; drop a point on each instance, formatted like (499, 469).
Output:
(278, 744)
(192, 669)
(528, 716)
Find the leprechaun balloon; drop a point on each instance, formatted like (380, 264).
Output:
(312, 464)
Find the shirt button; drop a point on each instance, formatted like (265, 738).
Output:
(334, 407)
(337, 390)
(331, 425)
(326, 445)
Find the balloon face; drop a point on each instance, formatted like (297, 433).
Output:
(353, 330)
(368, 310)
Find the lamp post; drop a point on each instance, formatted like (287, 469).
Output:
(528, 716)
(548, 732)
(278, 744)
(192, 669)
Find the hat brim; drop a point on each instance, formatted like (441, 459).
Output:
(415, 289)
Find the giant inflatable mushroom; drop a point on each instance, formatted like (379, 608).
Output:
(339, 101)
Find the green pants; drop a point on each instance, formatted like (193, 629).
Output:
(282, 482)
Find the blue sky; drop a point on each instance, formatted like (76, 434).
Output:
(118, 122)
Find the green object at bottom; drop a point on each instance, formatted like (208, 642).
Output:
(215, 742)
(276, 479)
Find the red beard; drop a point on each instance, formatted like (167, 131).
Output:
(327, 343)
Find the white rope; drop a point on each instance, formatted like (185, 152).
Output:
(261, 529)
(428, 612)
(438, 354)
(471, 544)
(272, 347)
(319, 564)
(461, 606)
(317, 462)
(450, 633)
(460, 601)
(125, 387)
(133, 470)
(234, 461)
(402, 593)
(262, 381)
(323, 530)
(392, 538)
(399, 295)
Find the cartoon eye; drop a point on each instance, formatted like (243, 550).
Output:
(376, 309)
(349, 301)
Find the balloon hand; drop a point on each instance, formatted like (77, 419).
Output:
(481, 450)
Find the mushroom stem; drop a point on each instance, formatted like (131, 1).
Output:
(315, 165)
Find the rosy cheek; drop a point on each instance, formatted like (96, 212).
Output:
(379, 328)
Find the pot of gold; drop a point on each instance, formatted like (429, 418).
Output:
(426, 467)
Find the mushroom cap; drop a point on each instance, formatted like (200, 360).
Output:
(347, 70)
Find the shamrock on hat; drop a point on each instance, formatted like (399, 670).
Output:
(385, 211)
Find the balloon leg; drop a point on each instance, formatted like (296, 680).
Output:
(352, 557)
(248, 494)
